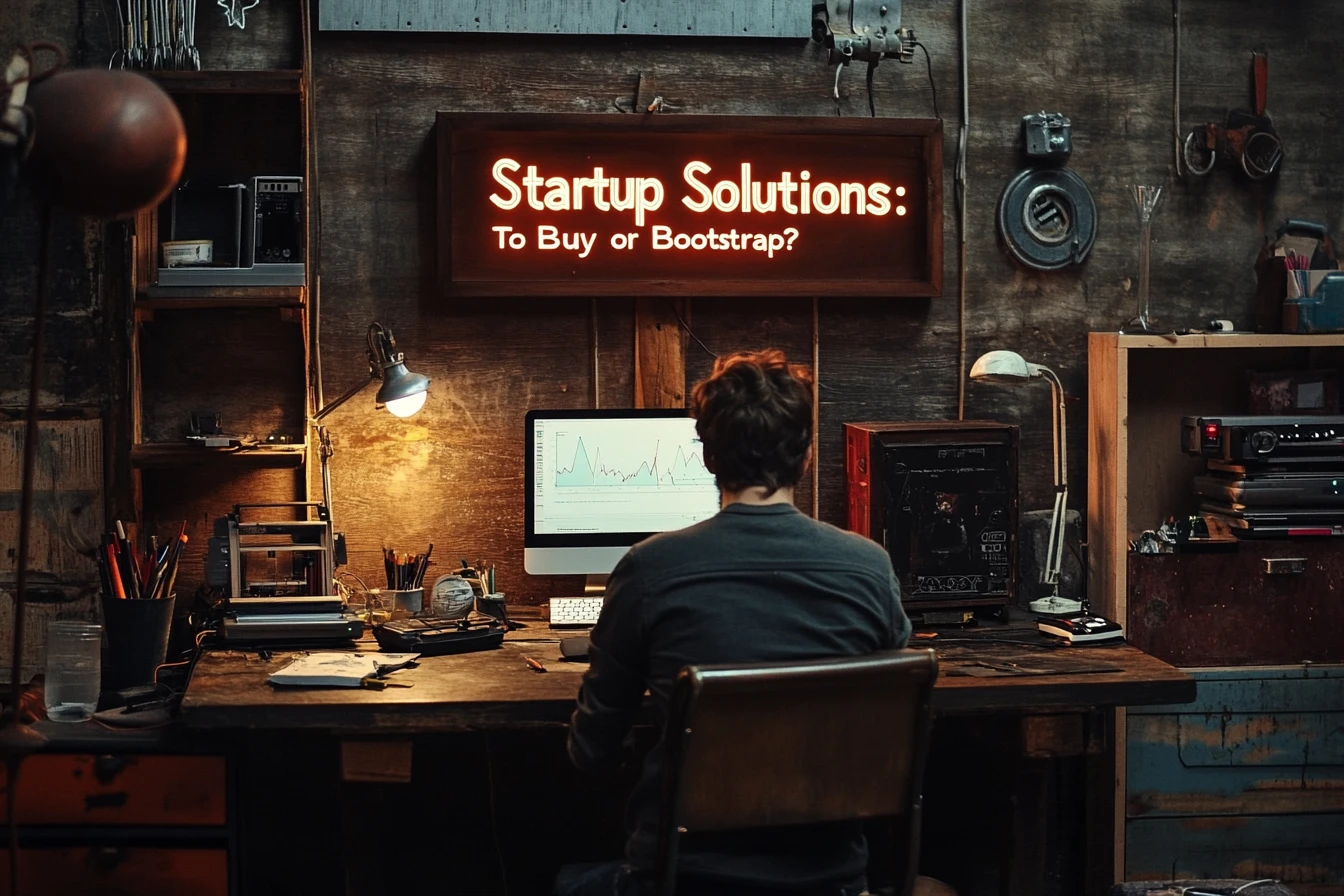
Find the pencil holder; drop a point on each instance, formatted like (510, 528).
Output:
(137, 639)
(406, 602)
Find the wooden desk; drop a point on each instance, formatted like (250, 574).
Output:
(1039, 700)
(979, 673)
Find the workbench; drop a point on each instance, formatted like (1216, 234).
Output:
(1041, 702)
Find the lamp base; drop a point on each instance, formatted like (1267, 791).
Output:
(1056, 606)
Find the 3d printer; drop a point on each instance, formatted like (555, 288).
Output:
(279, 575)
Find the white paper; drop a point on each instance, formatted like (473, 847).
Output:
(338, 669)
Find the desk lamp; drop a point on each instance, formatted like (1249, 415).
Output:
(1012, 369)
(403, 393)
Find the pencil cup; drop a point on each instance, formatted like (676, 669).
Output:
(406, 602)
(492, 605)
(137, 639)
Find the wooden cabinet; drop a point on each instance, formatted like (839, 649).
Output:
(1245, 781)
(121, 823)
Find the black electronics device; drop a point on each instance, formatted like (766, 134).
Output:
(1239, 439)
(438, 635)
(215, 212)
(278, 225)
(1082, 629)
(942, 498)
(1278, 490)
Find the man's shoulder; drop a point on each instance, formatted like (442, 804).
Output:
(848, 545)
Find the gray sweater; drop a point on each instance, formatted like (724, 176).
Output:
(755, 583)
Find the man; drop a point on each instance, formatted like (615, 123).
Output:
(759, 581)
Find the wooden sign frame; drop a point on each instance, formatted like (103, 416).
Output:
(915, 146)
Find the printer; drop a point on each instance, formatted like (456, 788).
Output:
(279, 575)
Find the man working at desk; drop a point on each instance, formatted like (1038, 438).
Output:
(758, 582)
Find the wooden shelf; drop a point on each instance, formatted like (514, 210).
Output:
(189, 297)
(147, 455)
(240, 81)
(1232, 340)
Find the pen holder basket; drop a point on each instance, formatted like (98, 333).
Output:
(137, 639)
(403, 603)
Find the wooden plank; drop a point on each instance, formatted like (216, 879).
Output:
(660, 353)
(67, 522)
(1107, 395)
(679, 18)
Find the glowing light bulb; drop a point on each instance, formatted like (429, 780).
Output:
(408, 406)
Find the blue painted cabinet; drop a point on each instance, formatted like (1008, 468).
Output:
(1247, 781)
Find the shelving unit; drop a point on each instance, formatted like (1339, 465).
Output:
(1139, 387)
(241, 352)
(1213, 787)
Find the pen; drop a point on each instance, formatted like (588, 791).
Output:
(533, 664)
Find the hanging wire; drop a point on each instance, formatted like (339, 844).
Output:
(933, 88)
(872, 106)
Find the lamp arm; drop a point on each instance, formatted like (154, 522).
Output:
(1060, 427)
(353, 391)
(1054, 557)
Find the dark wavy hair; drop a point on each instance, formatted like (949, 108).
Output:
(754, 417)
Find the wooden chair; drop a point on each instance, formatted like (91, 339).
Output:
(797, 743)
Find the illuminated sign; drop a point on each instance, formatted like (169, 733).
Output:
(688, 205)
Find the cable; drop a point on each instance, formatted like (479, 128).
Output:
(494, 823)
(872, 107)
(592, 329)
(933, 88)
(1176, 83)
(689, 332)
(960, 190)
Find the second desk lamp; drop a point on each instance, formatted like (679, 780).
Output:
(403, 393)
(1012, 369)
(1080, 625)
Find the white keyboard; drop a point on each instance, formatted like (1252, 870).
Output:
(575, 611)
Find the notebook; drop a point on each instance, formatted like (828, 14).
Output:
(338, 670)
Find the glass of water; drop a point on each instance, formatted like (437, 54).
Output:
(74, 669)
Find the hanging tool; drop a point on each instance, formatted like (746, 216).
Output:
(1246, 139)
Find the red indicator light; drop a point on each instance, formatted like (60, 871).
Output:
(1211, 431)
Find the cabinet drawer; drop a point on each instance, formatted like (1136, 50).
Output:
(1306, 852)
(119, 871)
(1227, 609)
(76, 789)
(1254, 741)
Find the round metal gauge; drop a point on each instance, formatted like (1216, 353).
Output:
(1048, 218)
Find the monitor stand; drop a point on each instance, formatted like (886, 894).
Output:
(595, 586)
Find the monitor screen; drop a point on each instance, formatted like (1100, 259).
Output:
(599, 481)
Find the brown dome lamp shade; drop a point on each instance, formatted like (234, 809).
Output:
(105, 143)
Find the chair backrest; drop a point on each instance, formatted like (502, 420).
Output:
(753, 746)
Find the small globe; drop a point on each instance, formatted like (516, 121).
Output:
(105, 143)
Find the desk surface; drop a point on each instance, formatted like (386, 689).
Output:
(996, 670)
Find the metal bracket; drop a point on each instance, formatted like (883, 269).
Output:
(867, 30)
(1285, 566)
(646, 100)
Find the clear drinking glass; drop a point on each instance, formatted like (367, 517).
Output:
(1146, 201)
(74, 669)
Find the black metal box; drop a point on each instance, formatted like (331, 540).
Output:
(941, 497)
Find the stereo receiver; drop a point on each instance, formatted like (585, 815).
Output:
(1236, 439)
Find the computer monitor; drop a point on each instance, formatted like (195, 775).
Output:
(600, 481)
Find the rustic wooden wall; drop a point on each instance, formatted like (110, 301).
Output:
(453, 475)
